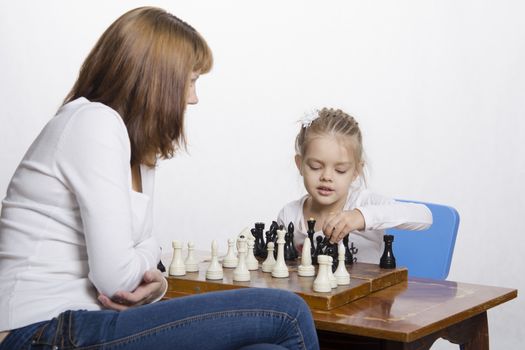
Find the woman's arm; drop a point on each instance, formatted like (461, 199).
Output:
(93, 160)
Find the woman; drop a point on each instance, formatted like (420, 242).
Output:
(77, 257)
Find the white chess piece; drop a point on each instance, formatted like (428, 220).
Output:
(230, 260)
(331, 277)
(322, 281)
(214, 271)
(268, 264)
(177, 267)
(280, 269)
(341, 274)
(251, 262)
(306, 268)
(246, 233)
(192, 265)
(241, 272)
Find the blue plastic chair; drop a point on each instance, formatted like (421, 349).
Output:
(428, 253)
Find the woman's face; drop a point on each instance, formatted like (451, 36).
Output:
(191, 97)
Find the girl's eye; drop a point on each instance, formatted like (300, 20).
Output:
(341, 171)
(314, 167)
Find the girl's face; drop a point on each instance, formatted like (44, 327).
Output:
(328, 168)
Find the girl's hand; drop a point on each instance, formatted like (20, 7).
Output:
(339, 225)
(152, 287)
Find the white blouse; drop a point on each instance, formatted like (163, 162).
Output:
(380, 213)
(71, 225)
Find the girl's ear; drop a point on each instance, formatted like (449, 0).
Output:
(298, 163)
(359, 170)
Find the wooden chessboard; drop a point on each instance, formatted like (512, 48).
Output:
(365, 279)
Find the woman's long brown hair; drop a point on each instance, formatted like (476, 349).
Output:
(141, 67)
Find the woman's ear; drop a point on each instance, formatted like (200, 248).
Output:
(298, 163)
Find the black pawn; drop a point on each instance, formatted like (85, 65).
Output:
(331, 250)
(388, 261)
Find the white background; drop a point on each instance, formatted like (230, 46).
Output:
(437, 86)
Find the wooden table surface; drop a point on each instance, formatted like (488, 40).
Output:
(411, 315)
(411, 310)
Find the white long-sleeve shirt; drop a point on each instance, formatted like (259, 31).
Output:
(71, 225)
(380, 213)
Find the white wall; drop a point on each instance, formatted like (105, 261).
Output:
(438, 88)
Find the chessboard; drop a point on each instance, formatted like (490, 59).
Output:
(365, 279)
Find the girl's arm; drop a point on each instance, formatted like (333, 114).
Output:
(382, 213)
(93, 160)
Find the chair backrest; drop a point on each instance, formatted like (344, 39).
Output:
(428, 253)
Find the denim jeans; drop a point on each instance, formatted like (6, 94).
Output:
(250, 318)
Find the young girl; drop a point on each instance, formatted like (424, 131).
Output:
(77, 255)
(329, 156)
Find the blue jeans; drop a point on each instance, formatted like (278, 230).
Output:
(251, 318)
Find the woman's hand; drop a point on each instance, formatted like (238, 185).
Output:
(339, 225)
(152, 287)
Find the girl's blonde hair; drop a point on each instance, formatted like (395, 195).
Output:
(335, 123)
(141, 67)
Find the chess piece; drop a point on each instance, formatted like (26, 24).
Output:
(388, 261)
(177, 267)
(214, 271)
(273, 231)
(311, 232)
(260, 247)
(268, 264)
(288, 253)
(295, 253)
(331, 277)
(241, 272)
(341, 274)
(320, 248)
(191, 264)
(349, 251)
(322, 281)
(306, 268)
(251, 262)
(331, 250)
(230, 260)
(280, 269)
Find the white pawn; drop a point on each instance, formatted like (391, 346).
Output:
(268, 264)
(331, 277)
(192, 265)
(280, 269)
(251, 261)
(241, 272)
(214, 271)
(322, 281)
(230, 260)
(306, 268)
(177, 267)
(341, 274)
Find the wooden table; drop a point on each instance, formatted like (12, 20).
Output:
(412, 315)
(408, 315)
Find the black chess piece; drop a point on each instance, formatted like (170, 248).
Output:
(259, 247)
(318, 249)
(350, 252)
(273, 231)
(288, 254)
(388, 261)
(311, 232)
(161, 267)
(331, 250)
(294, 251)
